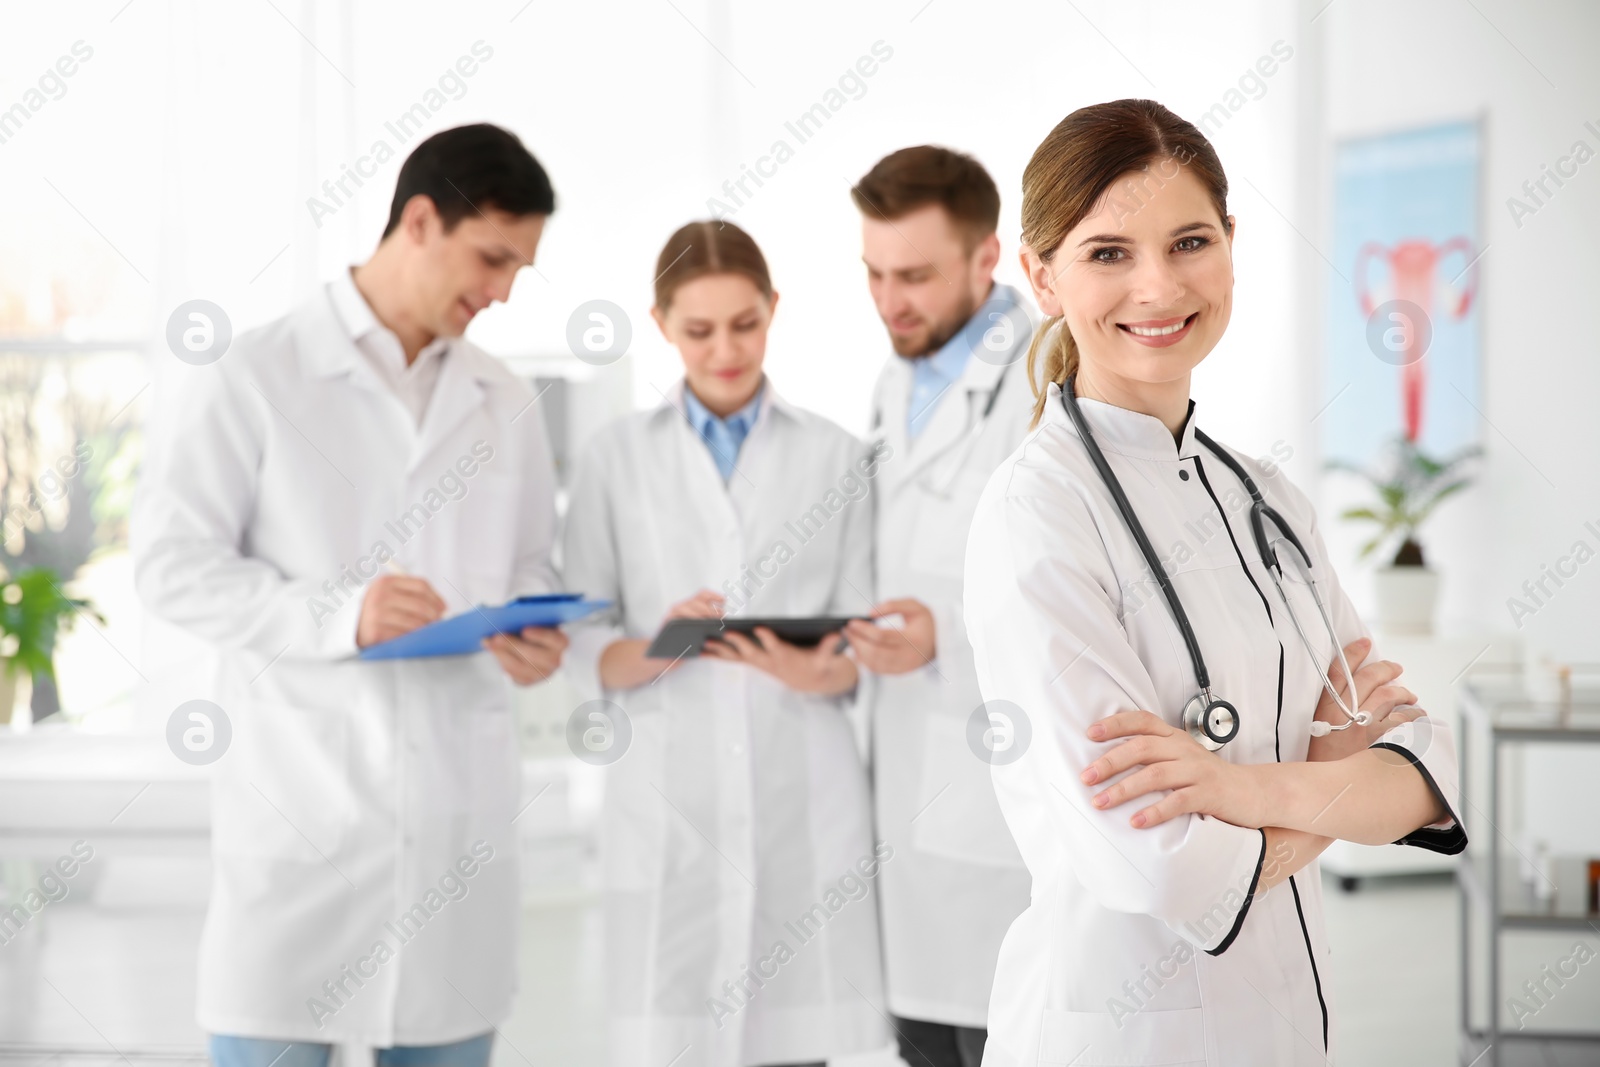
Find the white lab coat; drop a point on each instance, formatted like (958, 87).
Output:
(1141, 946)
(739, 804)
(957, 881)
(350, 790)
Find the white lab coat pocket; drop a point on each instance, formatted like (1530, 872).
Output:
(959, 816)
(284, 789)
(1138, 1039)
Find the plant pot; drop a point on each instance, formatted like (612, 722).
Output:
(15, 692)
(1406, 597)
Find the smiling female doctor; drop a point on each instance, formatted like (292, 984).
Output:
(1175, 792)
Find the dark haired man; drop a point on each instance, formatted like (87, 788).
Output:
(339, 477)
(952, 402)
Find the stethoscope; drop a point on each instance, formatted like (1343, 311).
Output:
(1210, 720)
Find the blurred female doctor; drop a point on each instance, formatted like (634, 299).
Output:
(741, 926)
(1161, 930)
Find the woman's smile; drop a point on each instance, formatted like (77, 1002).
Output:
(1159, 333)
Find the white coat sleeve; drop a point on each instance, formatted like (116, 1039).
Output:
(590, 565)
(1428, 744)
(533, 569)
(1047, 638)
(197, 492)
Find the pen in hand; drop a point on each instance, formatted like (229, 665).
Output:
(396, 603)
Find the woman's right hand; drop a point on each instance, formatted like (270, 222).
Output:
(623, 664)
(1374, 694)
(703, 605)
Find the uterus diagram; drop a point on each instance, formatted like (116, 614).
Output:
(1423, 280)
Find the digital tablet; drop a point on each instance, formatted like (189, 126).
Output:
(681, 638)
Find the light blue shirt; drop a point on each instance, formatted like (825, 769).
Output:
(932, 376)
(724, 437)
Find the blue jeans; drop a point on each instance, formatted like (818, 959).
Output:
(263, 1052)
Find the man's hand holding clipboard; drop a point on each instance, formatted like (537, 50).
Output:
(402, 617)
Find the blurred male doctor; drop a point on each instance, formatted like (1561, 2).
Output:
(339, 477)
(952, 403)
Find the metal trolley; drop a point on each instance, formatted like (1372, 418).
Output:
(1496, 713)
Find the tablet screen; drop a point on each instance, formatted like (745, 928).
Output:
(681, 638)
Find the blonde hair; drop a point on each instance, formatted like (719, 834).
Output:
(1066, 179)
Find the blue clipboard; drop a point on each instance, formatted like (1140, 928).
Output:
(463, 634)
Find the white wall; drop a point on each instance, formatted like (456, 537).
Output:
(193, 139)
(1529, 70)
(179, 160)
(197, 134)
(994, 84)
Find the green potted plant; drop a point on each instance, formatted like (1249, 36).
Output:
(67, 462)
(1409, 484)
(33, 610)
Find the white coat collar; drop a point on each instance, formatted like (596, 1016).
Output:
(771, 400)
(983, 369)
(327, 348)
(957, 414)
(351, 307)
(1125, 432)
(977, 374)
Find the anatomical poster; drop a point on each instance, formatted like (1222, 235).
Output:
(1403, 296)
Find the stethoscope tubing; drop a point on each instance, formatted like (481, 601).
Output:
(1260, 513)
(1069, 400)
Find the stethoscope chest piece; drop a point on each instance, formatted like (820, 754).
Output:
(1210, 721)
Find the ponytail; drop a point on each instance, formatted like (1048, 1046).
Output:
(1060, 361)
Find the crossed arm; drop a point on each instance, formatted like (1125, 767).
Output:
(1345, 790)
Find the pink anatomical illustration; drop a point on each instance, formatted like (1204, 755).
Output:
(1416, 277)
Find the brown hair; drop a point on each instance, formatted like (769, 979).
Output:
(1070, 173)
(903, 181)
(708, 247)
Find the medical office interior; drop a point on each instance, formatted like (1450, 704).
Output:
(1417, 200)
